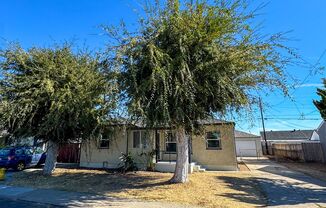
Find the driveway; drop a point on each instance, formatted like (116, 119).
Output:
(287, 188)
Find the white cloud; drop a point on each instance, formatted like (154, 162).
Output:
(310, 85)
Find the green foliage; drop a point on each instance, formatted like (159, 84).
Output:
(54, 93)
(189, 61)
(127, 163)
(2, 142)
(321, 104)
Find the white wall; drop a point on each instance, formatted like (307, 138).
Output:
(314, 137)
(257, 149)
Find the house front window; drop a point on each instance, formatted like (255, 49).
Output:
(213, 140)
(136, 139)
(104, 142)
(145, 139)
(141, 139)
(170, 143)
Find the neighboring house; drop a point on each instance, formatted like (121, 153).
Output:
(213, 149)
(288, 136)
(26, 141)
(7, 140)
(321, 131)
(247, 145)
(320, 135)
(309, 144)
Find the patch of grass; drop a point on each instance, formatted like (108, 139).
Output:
(209, 189)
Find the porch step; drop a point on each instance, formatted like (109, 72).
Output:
(201, 170)
(166, 166)
(198, 168)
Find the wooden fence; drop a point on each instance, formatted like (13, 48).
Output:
(307, 151)
(313, 152)
(288, 150)
(69, 153)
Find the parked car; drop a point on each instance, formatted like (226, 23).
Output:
(21, 157)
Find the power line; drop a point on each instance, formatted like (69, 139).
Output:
(293, 125)
(293, 115)
(289, 118)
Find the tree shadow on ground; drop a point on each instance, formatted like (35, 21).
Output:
(89, 188)
(99, 182)
(249, 188)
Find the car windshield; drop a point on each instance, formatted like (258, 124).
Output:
(4, 152)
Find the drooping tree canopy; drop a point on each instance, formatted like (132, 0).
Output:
(188, 61)
(321, 104)
(53, 93)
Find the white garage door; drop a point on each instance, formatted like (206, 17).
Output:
(246, 148)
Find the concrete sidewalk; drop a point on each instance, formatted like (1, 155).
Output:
(75, 199)
(284, 187)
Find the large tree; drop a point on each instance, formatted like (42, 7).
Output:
(53, 94)
(188, 61)
(321, 104)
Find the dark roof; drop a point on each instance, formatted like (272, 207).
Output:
(241, 134)
(210, 121)
(141, 124)
(288, 135)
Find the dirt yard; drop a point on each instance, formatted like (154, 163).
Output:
(209, 189)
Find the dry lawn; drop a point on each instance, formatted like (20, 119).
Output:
(242, 166)
(209, 189)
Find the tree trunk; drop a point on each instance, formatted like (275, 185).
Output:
(51, 158)
(182, 164)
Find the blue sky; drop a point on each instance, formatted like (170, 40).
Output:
(40, 23)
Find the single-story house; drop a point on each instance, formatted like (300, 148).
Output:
(247, 145)
(288, 135)
(211, 149)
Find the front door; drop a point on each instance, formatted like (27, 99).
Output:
(157, 145)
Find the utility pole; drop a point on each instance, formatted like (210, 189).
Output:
(262, 120)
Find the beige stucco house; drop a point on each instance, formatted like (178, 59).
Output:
(212, 149)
